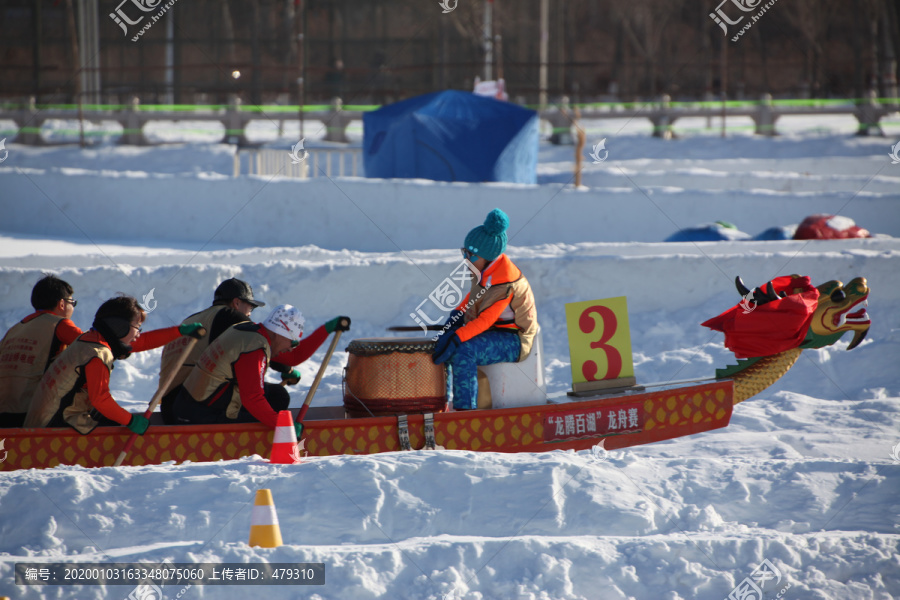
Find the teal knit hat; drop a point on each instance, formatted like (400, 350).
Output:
(489, 240)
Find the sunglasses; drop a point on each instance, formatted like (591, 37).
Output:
(74, 303)
(468, 254)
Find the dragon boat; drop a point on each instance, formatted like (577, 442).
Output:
(767, 332)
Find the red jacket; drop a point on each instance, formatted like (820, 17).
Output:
(97, 375)
(250, 371)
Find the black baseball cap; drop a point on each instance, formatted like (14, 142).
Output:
(233, 288)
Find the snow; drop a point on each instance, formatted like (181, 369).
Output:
(803, 477)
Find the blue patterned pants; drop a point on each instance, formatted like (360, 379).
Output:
(484, 349)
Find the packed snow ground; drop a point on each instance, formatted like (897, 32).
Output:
(803, 477)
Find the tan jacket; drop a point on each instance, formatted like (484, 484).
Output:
(24, 354)
(173, 350)
(215, 367)
(64, 384)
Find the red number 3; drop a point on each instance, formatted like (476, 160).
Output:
(587, 324)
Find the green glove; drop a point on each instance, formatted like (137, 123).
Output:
(290, 377)
(338, 324)
(138, 424)
(195, 330)
(298, 429)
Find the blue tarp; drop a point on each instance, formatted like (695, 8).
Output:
(708, 232)
(452, 136)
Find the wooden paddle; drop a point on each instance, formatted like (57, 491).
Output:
(315, 384)
(157, 398)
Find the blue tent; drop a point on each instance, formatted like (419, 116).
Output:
(452, 136)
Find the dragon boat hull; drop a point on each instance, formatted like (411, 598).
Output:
(621, 420)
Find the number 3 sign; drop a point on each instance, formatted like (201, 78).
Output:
(600, 344)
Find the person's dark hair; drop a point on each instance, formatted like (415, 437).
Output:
(113, 321)
(47, 292)
(224, 319)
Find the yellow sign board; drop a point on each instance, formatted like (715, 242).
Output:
(599, 341)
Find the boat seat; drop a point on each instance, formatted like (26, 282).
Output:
(505, 385)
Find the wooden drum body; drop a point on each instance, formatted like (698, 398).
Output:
(393, 376)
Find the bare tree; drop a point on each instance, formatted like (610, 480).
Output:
(812, 19)
(645, 23)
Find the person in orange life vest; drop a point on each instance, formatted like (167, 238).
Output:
(496, 321)
(233, 302)
(75, 389)
(227, 385)
(30, 346)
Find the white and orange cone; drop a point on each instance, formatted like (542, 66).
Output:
(264, 530)
(284, 445)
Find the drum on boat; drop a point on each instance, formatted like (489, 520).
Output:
(393, 376)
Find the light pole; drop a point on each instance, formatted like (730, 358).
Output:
(544, 53)
(301, 57)
(488, 39)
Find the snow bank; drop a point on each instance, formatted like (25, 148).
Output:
(387, 215)
(647, 190)
(641, 524)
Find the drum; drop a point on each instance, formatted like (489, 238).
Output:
(393, 376)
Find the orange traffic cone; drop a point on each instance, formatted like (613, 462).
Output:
(284, 445)
(264, 530)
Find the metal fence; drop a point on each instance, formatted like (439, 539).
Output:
(315, 162)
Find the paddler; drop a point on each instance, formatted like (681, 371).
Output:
(75, 389)
(29, 347)
(227, 385)
(233, 301)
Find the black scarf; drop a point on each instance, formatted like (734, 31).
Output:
(113, 329)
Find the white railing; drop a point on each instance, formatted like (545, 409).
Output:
(318, 162)
(662, 113)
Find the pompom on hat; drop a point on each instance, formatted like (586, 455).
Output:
(489, 240)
